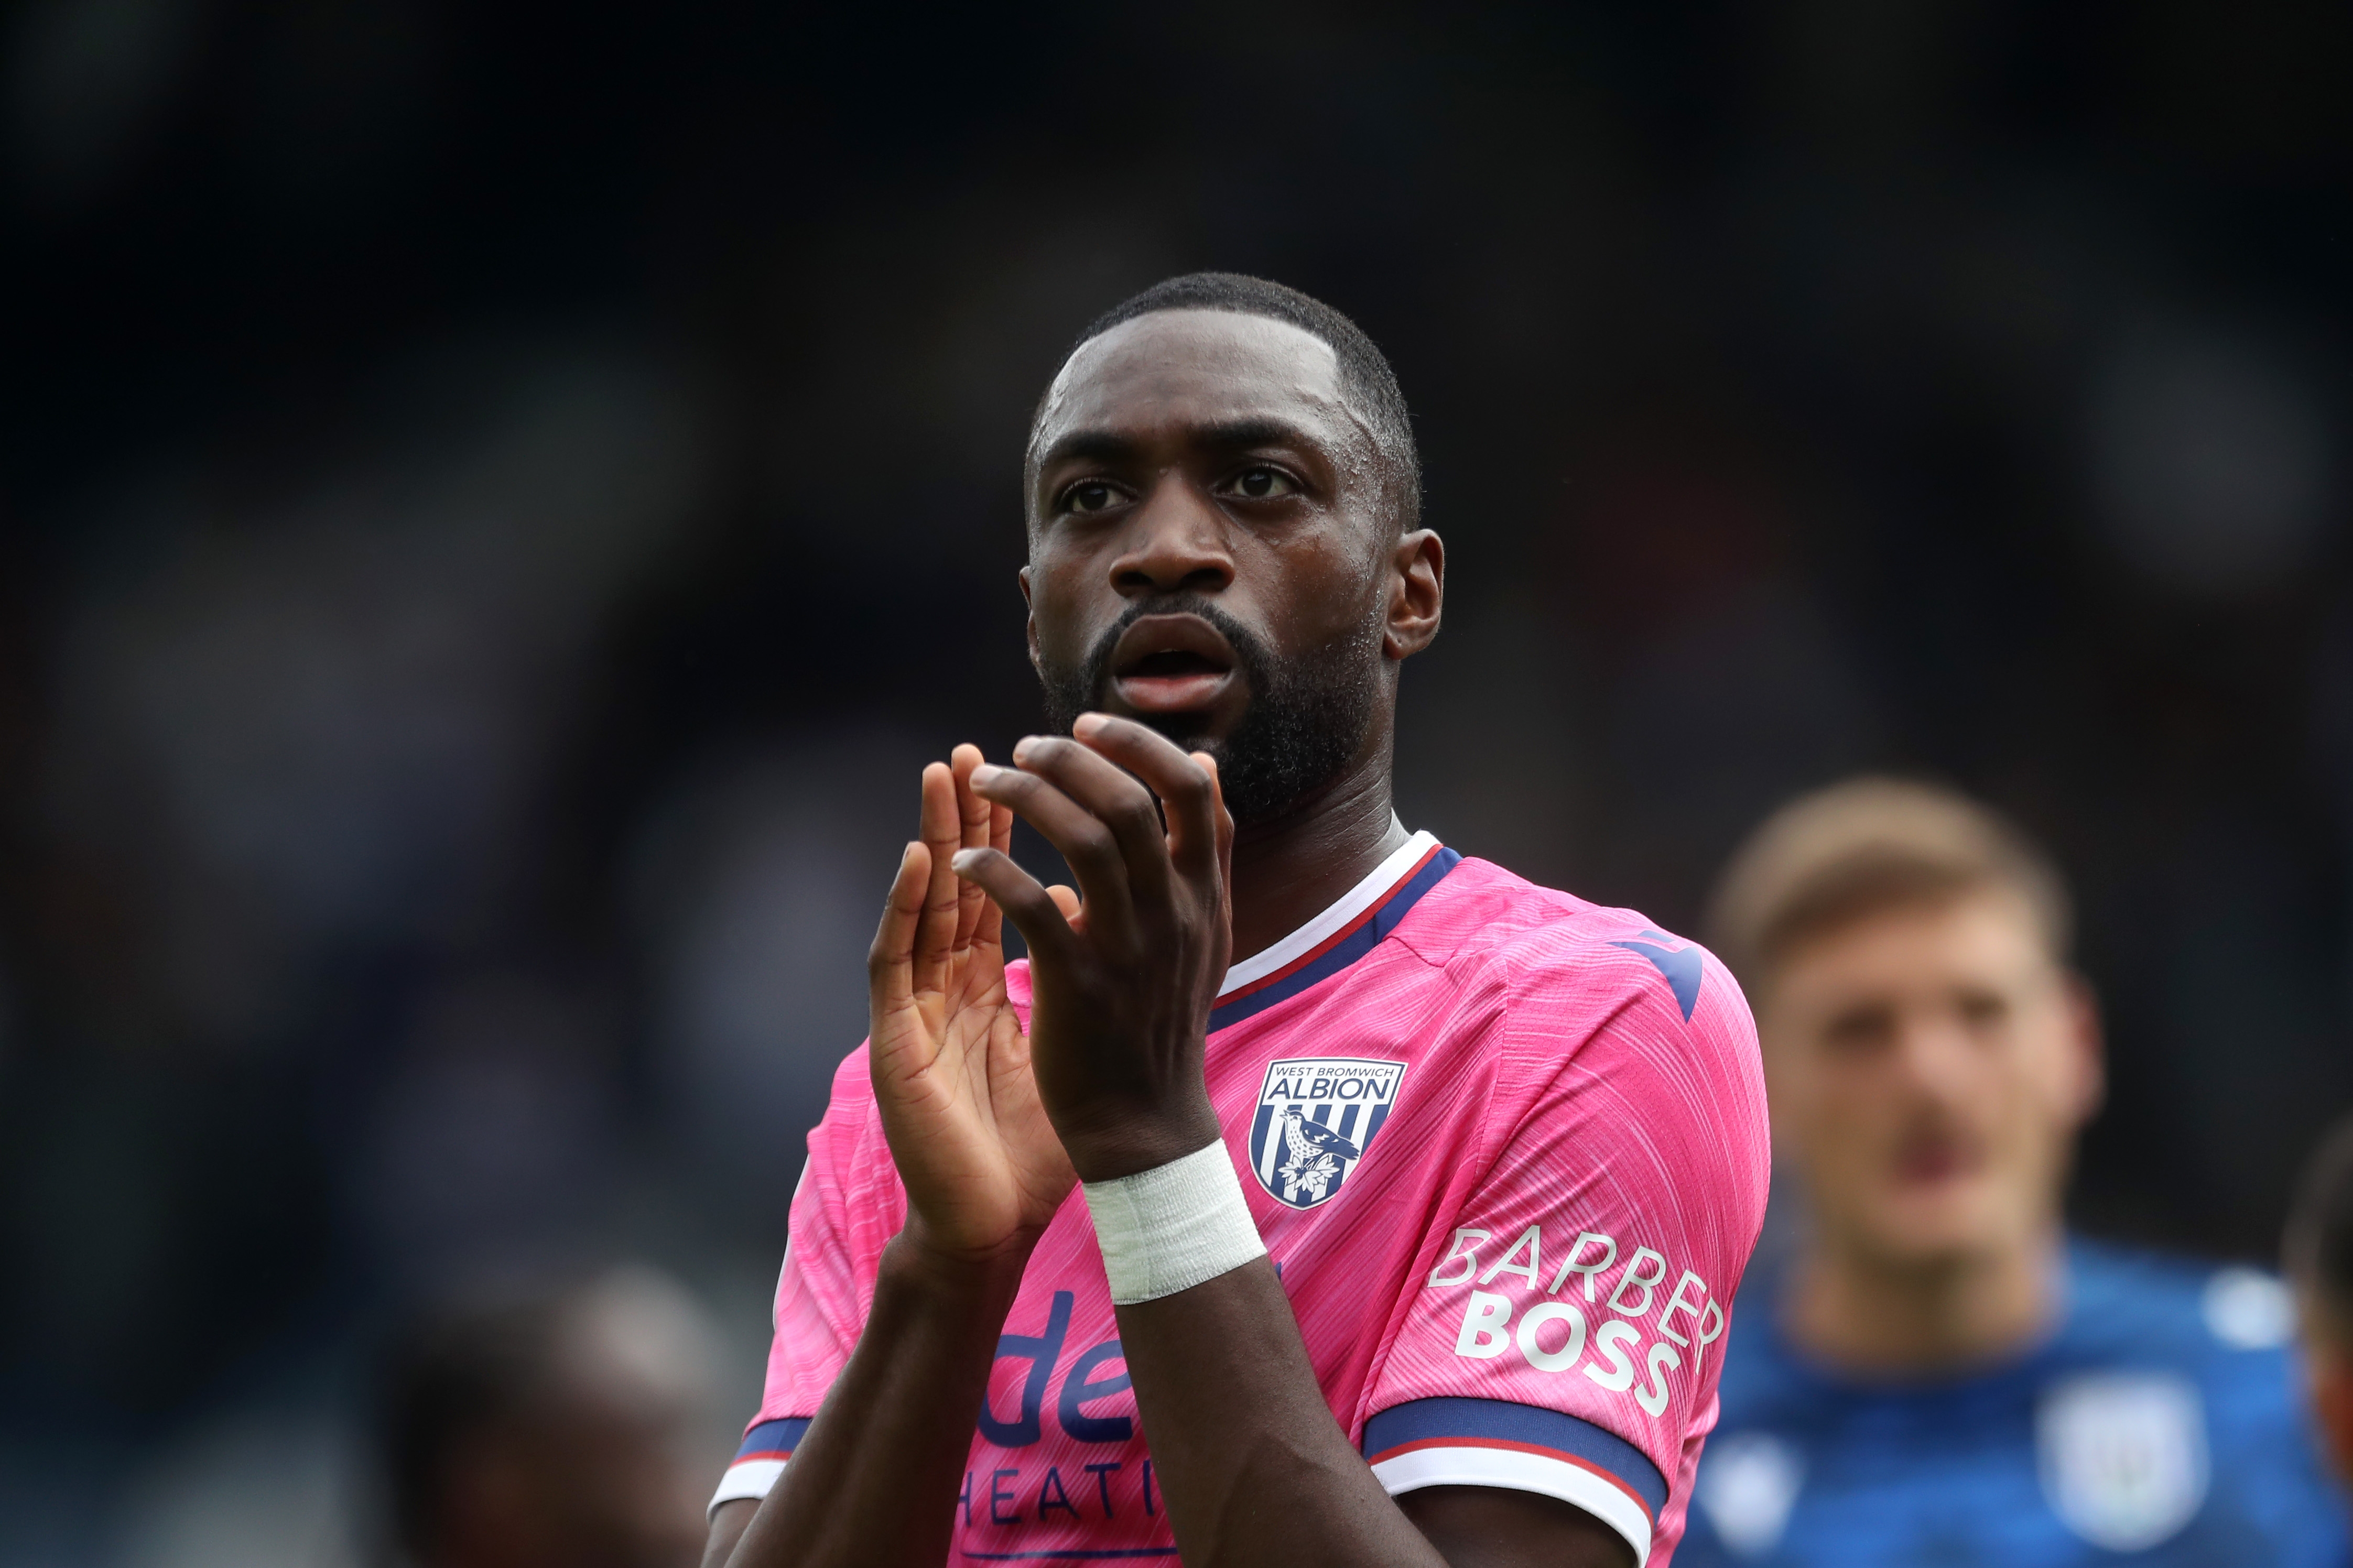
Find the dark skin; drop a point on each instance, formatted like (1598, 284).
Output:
(1186, 451)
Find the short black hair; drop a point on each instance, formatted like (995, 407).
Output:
(2318, 1252)
(1365, 378)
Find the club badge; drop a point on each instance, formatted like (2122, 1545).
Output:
(2124, 1455)
(1315, 1121)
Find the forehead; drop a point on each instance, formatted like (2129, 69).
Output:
(1988, 934)
(1175, 369)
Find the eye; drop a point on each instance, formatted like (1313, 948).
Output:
(1093, 495)
(1261, 484)
(1983, 1010)
(1859, 1031)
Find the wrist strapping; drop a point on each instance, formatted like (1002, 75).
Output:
(1169, 1228)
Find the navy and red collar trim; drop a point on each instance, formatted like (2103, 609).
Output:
(1338, 937)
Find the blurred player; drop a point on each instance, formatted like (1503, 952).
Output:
(1406, 1236)
(1938, 1374)
(553, 1428)
(2319, 1254)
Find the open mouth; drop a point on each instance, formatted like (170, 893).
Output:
(1169, 664)
(1931, 1162)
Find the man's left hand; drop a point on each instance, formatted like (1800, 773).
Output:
(1122, 992)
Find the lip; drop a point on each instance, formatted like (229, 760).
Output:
(1935, 1163)
(1178, 690)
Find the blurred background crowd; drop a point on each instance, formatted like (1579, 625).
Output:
(496, 502)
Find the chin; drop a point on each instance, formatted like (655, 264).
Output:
(1949, 1230)
(1194, 730)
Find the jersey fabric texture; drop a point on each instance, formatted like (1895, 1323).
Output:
(2160, 1424)
(1507, 1149)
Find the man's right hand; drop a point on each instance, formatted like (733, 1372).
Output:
(982, 1166)
(873, 1480)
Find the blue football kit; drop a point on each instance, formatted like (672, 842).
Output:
(2161, 1424)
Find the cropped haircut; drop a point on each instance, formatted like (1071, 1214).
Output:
(1864, 846)
(2318, 1250)
(1366, 381)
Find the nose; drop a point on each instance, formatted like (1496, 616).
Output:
(1175, 542)
(1936, 1056)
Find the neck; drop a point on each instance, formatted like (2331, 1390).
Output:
(1288, 871)
(1867, 1314)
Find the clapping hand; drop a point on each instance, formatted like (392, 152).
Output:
(1123, 994)
(983, 1168)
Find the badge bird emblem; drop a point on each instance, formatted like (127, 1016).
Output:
(2124, 1455)
(1317, 1119)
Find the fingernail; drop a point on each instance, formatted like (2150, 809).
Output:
(963, 860)
(985, 774)
(1087, 724)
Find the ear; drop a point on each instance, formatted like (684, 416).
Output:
(1417, 592)
(2090, 1043)
(1030, 626)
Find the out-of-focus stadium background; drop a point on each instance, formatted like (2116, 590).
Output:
(498, 499)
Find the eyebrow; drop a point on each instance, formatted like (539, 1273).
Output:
(1109, 446)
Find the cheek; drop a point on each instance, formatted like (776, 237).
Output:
(1314, 588)
(1059, 608)
(1823, 1087)
(1818, 1113)
(1866, 1110)
(2046, 1082)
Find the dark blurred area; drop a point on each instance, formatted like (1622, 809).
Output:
(499, 500)
(547, 1425)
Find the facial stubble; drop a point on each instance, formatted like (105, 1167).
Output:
(1307, 718)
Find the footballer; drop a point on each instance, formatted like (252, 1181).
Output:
(1313, 1194)
(1938, 1372)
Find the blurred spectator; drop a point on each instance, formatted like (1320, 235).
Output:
(554, 1427)
(2319, 1252)
(1938, 1372)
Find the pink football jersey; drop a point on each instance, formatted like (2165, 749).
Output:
(1508, 1150)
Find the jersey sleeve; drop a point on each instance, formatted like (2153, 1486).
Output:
(846, 1207)
(1564, 1329)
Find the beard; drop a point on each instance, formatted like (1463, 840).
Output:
(1306, 719)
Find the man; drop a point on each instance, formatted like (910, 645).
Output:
(550, 1428)
(1411, 1195)
(2320, 1255)
(1937, 1375)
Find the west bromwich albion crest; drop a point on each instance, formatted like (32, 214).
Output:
(1315, 1121)
(2124, 1456)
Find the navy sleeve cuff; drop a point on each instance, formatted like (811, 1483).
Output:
(760, 1459)
(1456, 1442)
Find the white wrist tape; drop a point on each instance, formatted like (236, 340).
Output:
(1169, 1228)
